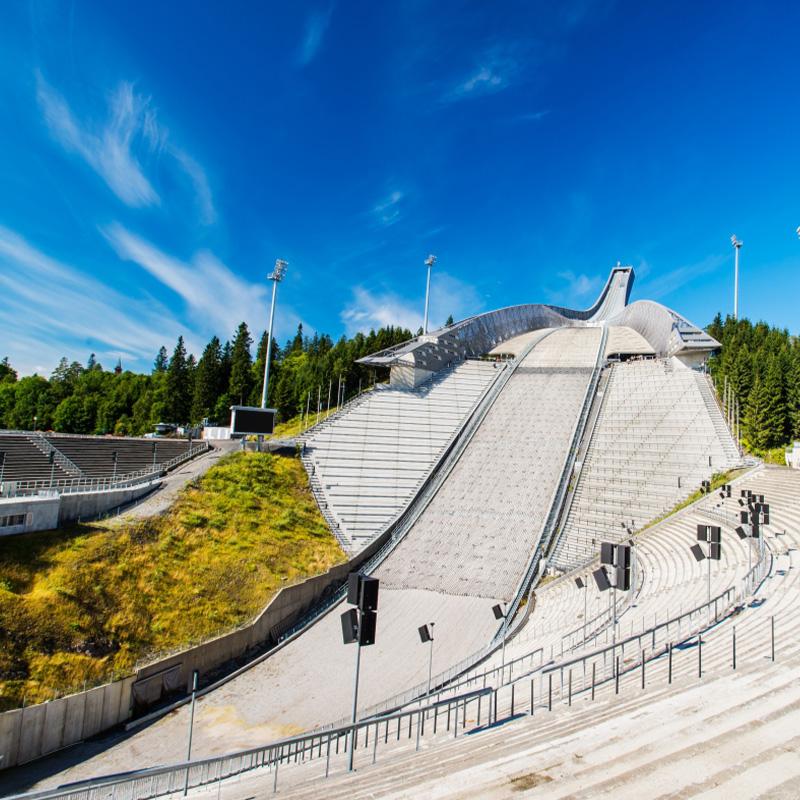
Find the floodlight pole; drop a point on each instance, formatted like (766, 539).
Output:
(276, 276)
(429, 262)
(736, 246)
(355, 697)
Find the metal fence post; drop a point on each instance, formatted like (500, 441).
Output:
(644, 652)
(699, 655)
(593, 678)
(669, 680)
(772, 634)
(549, 691)
(734, 646)
(616, 676)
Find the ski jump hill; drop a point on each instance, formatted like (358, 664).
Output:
(503, 450)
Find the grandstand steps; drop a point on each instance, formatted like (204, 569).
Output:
(367, 461)
(729, 733)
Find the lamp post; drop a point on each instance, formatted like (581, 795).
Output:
(737, 245)
(276, 276)
(429, 262)
(501, 612)
(426, 635)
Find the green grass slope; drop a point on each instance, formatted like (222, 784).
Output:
(87, 603)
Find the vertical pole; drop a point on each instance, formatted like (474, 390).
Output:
(699, 655)
(330, 389)
(709, 579)
(549, 691)
(319, 401)
(772, 634)
(594, 666)
(427, 297)
(616, 676)
(736, 282)
(430, 662)
(669, 679)
(734, 646)
(269, 346)
(355, 705)
(585, 601)
(195, 676)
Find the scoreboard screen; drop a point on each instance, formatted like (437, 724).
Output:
(246, 420)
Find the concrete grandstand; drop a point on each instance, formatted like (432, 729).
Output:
(505, 448)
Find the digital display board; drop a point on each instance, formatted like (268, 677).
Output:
(247, 420)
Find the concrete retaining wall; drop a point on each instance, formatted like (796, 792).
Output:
(40, 513)
(26, 734)
(85, 505)
(32, 732)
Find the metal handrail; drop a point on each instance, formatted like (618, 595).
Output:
(160, 781)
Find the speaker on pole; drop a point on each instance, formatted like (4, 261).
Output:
(350, 626)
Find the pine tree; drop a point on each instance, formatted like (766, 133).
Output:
(160, 364)
(793, 393)
(449, 321)
(7, 372)
(241, 381)
(208, 384)
(756, 416)
(178, 385)
(297, 343)
(776, 423)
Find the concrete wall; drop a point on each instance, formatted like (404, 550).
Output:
(85, 505)
(41, 513)
(32, 732)
(26, 734)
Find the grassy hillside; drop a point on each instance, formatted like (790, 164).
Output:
(88, 602)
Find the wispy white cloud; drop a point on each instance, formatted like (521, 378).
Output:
(494, 71)
(370, 309)
(532, 116)
(115, 148)
(110, 150)
(210, 290)
(388, 211)
(202, 190)
(217, 299)
(316, 25)
(75, 315)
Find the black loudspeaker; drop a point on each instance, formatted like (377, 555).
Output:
(765, 517)
(497, 610)
(366, 632)
(744, 517)
(606, 553)
(579, 583)
(743, 493)
(741, 532)
(601, 579)
(761, 498)
(52, 456)
(624, 556)
(755, 528)
(353, 588)
(369, 594)
(727, 488)
(715, 551)
(623, 580)
(715, 534)
(702, 533)
(697, 552)
(424, 634)
(350, 626)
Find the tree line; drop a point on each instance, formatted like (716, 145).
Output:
(182, 389)
(762, 367)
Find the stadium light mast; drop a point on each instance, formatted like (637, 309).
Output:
(737, 245)
(276, 276)
(429, 262)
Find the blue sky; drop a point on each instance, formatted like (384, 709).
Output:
(156, 158)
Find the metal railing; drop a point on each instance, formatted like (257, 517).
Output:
(24, 488)
(330, 748)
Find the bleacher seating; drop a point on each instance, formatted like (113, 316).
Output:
(26, 460)
(659, 433)
(366, 463)
(93, 455)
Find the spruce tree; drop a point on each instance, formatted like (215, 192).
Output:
(160, 364)
(207, 384)
(241, 381)
(757, 415)
(178, 385)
